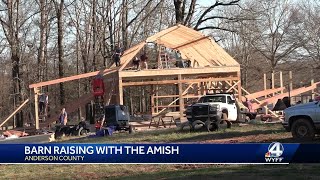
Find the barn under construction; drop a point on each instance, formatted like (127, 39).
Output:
(209, 68)
(168, 84)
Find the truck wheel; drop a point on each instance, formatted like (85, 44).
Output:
(81, 131)
(131, 130)
(229, 124)
(197, 124)
(187, 126)
(303, 129)
(211, 126)
(223, 124)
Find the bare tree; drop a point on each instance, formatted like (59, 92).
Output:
(275, 31)
(59, 8)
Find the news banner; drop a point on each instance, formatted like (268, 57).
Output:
(271, 153)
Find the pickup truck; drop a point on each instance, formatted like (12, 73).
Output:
(303, 120)
(215, 108)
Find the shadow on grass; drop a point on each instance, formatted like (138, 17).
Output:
(119, 136)
(241, 172)
(227, 134)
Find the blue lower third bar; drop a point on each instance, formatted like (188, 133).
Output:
(274, 153)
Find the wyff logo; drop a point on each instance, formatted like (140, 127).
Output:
(275, 150)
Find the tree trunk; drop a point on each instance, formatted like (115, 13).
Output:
(43, 36)
(59, 12)
(124, 20)
(179, 10)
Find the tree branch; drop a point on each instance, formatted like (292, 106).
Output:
(199, 22)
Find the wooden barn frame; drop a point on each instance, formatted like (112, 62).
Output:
(212, 70)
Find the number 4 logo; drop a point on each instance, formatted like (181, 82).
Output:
(275, 149)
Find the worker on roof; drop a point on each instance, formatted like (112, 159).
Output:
(116, 55)
(144, 59)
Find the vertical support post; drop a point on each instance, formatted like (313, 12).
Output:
(157, 99)
(181, 100)
(152, 100)
(281, 82)
(239, 87)
(272, 81)
(312, 95)
(120, 98)
(36, 107)
(290, 79)
(290, 85)
(265, 83)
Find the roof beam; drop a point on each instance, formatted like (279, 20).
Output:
(190, 42)
(71, 78)
(176, 71)
(177, 81)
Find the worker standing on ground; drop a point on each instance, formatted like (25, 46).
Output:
(116, 55)
(249, 105)
(63, 118)
(144, 59)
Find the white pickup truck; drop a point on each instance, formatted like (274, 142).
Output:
(216, 107)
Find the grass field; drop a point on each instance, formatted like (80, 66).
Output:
(237, 134)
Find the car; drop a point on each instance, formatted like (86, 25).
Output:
(303, 120)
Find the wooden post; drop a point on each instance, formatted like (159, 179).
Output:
(290, 80)
(120, 95)
(36, 107)
(312, 95)
(272, 81)
(290, 84)
(157, 99)
(239, 87)
(181, 100)
(265, 83)
(281, 82)
(152, 100)
(12, 114)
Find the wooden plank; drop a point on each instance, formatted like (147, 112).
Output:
(182, 71)
(312, 95)
(130, 54)
(184, 92)
(71, 78)
(190, 42)
(290, 80)
(255, 100)
(239, 86)
(181, 101)
(175, 81)
(120, 92)
(233, 86)
(152, 99)
(272, 81)
(292, 93)
(14, 112)
(36, 107)
(281, 81)
(265, 83)
(263, 93)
